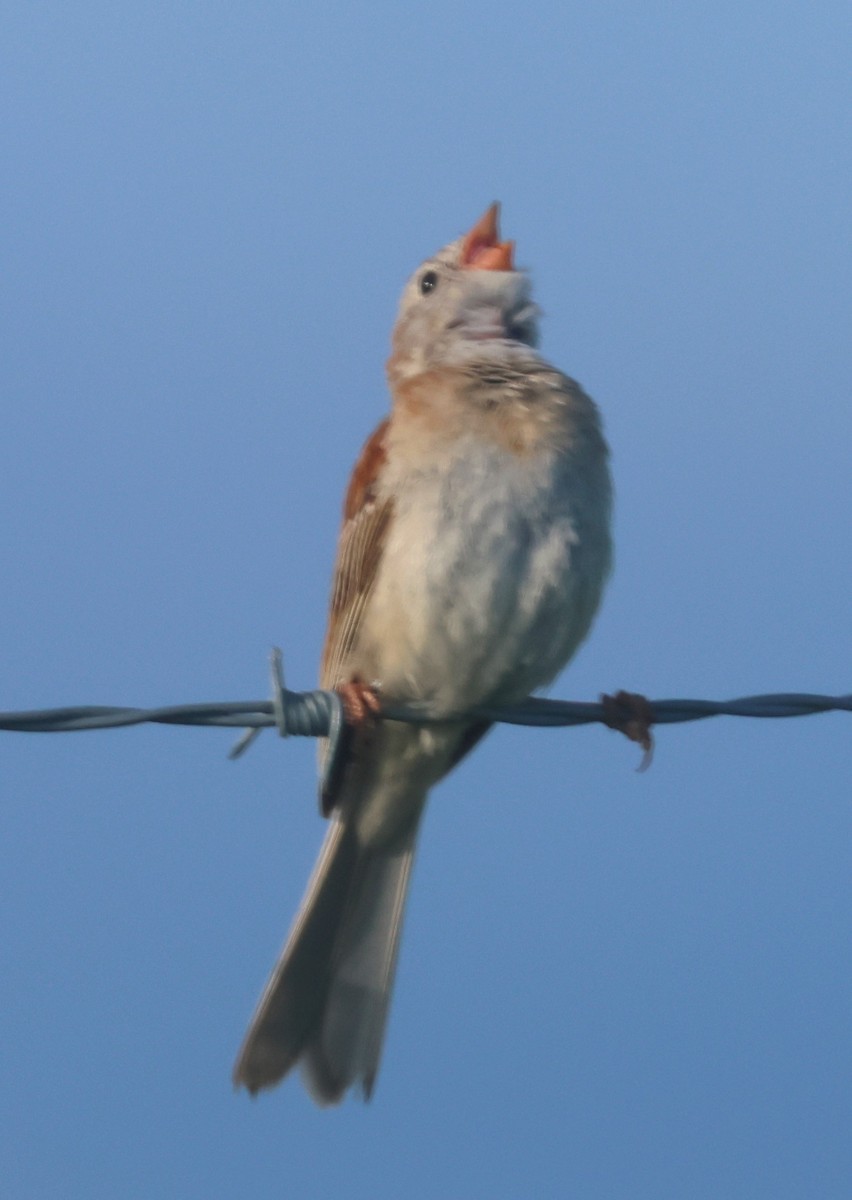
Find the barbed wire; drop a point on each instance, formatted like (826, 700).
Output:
(320, 713)
(308, 714)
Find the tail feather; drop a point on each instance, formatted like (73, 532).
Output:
(346, 1045)
(327, 999)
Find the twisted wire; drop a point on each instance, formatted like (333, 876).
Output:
(311, 714)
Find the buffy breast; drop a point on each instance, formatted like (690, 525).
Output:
(481, 602)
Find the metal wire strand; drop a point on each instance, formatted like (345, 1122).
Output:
(318, 713)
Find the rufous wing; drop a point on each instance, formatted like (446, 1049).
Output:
(366, 516)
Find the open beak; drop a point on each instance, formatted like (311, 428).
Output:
(482, 249)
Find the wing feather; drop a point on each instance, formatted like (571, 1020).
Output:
(366, 516)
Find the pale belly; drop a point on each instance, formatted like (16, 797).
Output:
(490, 579)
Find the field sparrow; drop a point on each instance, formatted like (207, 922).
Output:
(474, 550)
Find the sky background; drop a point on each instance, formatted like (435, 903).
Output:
(612, 984)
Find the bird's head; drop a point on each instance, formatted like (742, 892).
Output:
(466, 303)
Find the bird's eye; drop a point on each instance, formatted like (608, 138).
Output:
(428, 282)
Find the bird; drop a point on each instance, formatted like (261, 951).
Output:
(473, 554)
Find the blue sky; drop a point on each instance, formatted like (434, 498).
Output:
(611, 984)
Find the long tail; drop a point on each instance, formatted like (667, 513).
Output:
(326, 1002)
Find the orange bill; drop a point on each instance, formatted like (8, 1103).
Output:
(482, 249)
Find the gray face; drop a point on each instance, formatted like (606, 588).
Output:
(449, 314)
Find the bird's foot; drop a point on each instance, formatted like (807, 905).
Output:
(360, 701)
(632, 715)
